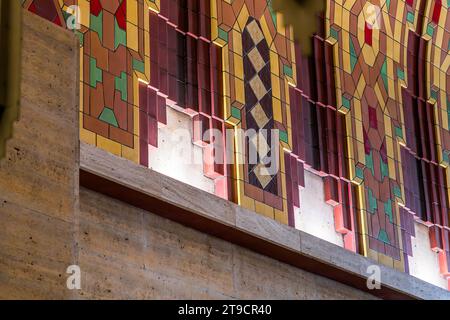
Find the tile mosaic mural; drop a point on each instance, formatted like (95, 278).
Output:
(392, 79)
(368, 111)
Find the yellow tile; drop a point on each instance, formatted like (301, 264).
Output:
(387, 125)
(277, 114)
(109, 145)
(276, 91)
(146, 20)
(238, 66)
(136, 121)
(132, 12)
(385, 260)
(237, 42)
(264, 209)
(399, 265)
(84, 12)
(132, 153)
(239, 91)
(87, 136)
(132, 36)
(265, 30)
(390, 147)
(391, 165)
(281, 217)
(274, 63)
(226, 62)
(283, 183)
(372, 255)
(248, 203)
(215, 32)
(243, 17)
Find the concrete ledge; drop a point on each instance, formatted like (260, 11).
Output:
(146, 189)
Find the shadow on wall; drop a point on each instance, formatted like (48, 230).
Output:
(10, 37)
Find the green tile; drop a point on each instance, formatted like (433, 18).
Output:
(397, 192)
(384, 169)
(359, 173)
(223, 34)
(346, 103)
(284, 136)
(410, 17)
(388, 210)
(383, 236)
(372, 202)
(236, 113)
(446, 156)
(433, 94)
(96, 74)
(96, 24)
(369, 163)
(353, 57)
(287, 70)
(121, 85)
(388, 4)
(400, 74)
(120, 36)
(108, 116)
(334, 33)
(430, 30)
(138, 65)
(384, 75)
(399, 132)
(273, 14)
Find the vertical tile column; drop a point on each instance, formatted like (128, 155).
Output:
(185, 68)
(319, 134)
(425, 182)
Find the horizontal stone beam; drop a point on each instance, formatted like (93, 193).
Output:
(154, 192)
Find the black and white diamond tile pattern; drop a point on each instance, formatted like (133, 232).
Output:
(258, 107)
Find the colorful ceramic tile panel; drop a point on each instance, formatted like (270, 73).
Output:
(368, 110)
(258, 69)
(319, 133)
(371, 113)
(185, 75)
(113, 57)
(388, 86)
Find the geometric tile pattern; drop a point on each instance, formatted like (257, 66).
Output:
(258, 69)
(369, 110)
(184, 74)
(319, 133)
(365, 80)
(426, 131)
(113, 58)
(258, 103)
(392, 82)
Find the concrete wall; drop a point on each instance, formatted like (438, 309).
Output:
(39, 175)
(130, 253)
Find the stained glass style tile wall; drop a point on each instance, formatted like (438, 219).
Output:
(392, 84)
(114, 56)
(258, 66)
(368, 111)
